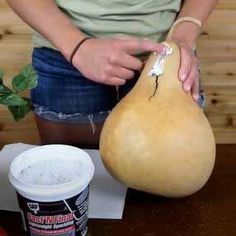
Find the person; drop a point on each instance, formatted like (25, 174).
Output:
(88, 55)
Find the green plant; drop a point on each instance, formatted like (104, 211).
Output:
(18, 105)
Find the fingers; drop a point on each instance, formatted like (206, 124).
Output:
(195, 90)
(113, 59)
(196, 85)
(127, 61)
(115, 81)
(116, 75)
(122, 73)
(192, 78)
(185, 64)
(189, 73)
(133, 46)
(123, 64)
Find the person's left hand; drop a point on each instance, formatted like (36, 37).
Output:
(189, 70)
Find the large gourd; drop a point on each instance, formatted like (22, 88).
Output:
(157, 139)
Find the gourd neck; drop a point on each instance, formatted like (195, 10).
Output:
(168, 80)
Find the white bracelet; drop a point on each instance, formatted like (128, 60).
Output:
(183, 19)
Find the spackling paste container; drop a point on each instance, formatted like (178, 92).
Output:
(52, 185)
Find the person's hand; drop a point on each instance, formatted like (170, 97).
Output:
(185, 35)
(189, 70)
(112, 61)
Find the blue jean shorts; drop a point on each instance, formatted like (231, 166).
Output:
(63, 94)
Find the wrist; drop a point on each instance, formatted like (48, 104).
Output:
(186, 32)
(76, 48)
(69, 42)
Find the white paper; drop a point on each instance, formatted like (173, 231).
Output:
(106, 197)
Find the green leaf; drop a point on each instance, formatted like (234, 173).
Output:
(1, 76)
(4, 90)
(12, 100)
(17, 105)
(19, 112)
(26, 79)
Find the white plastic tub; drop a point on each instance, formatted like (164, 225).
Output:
(52, 184)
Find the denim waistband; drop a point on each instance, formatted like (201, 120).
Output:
(63, 94)
(63, 89)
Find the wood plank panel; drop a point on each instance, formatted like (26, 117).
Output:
(15, 48)
(216, 50)
(222, 104)
(225, 135)
(22, 131)
(227, 80)
(10, 23)
(219, 68)
(228, 5)
(3, 3)
(28, 136)
(7, 122)
(222, 121)
(221, 24)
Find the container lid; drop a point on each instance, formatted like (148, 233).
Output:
(51, 172)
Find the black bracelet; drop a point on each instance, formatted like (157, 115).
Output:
(77, 47)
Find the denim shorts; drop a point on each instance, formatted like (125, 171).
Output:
(63, 94)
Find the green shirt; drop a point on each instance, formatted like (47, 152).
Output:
(114, 18)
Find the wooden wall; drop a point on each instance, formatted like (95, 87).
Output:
(15, 52)
(216, 49)
(217, 53)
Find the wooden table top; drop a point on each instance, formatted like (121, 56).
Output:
(211, 211)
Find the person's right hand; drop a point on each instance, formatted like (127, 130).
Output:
(112, 61)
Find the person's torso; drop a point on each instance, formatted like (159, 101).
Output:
(119, 18)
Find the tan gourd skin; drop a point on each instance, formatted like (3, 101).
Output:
(162, 144)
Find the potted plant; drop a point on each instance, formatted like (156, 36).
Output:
(18, 105)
